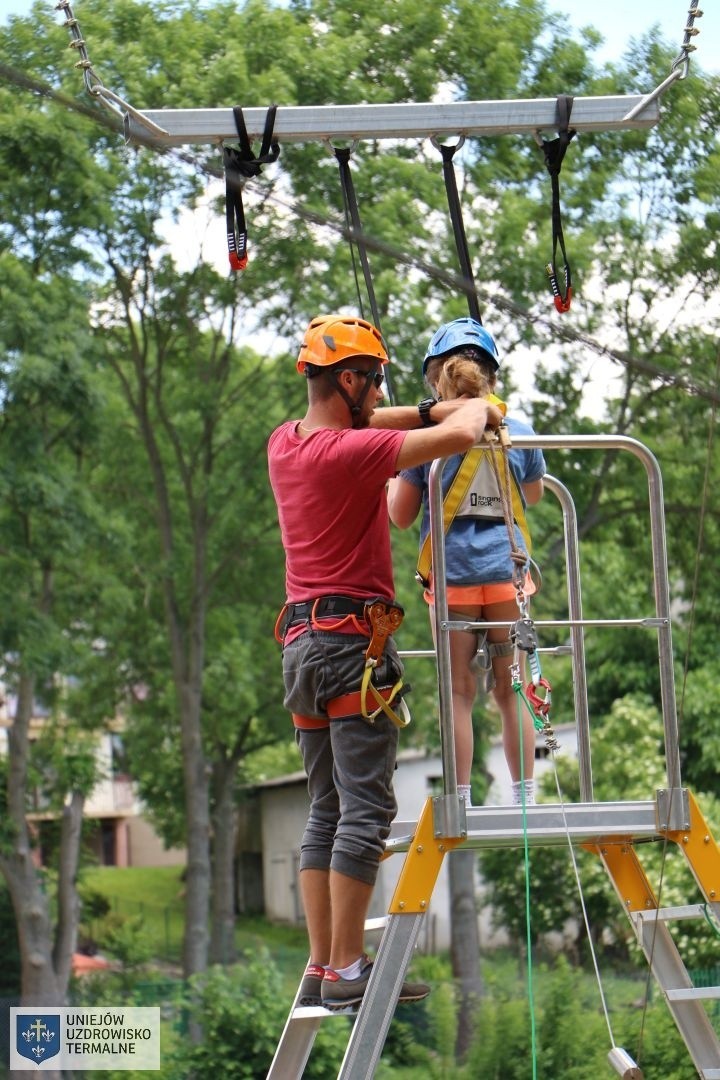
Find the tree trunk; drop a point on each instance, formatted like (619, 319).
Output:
(464, 943)
(40, 985)
(68, 915)
(222, 939)
(186, 635)
(197, 816)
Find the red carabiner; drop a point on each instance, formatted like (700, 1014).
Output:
(235, 262)
(541, 705)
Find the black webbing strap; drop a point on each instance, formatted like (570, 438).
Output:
(458, 226)
(241, 164)
(554, 151)
(352, 220)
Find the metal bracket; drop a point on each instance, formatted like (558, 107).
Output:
(449, 818)
(672, 809)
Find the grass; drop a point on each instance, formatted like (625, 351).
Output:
(152, 895)
(156, 896)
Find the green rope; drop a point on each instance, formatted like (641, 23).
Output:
(711, 920)
(539, 725)
(526, 852)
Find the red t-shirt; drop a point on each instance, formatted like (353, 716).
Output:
(330, 494)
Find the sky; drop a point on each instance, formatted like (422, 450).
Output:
(617, 20)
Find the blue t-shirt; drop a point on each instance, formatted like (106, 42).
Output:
(477, 550)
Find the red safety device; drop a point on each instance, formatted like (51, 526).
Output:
(540, 705)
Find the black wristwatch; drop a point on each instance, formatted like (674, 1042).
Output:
(424, 408)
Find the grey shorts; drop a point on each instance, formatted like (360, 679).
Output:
(319, 666)
(350, 762)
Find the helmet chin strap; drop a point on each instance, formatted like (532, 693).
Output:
(355, 407)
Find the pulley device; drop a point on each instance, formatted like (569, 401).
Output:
(537, 693)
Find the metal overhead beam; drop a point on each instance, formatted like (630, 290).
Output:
(412, 120)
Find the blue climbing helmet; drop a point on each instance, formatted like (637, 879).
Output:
(457, 334)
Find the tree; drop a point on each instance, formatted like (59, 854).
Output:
(639, 211)
(48, 522)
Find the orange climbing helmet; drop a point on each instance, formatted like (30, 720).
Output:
(330, 339)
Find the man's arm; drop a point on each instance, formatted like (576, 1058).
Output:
(456, 433)
(407, 417)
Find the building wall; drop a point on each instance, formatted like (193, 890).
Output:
(145, 848)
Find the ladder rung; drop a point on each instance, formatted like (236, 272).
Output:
(688, 911)
(306, 1013)
(692, 993)
(376, 924)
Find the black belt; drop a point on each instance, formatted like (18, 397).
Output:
(322, 607)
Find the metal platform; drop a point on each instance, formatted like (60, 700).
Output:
(414, 120)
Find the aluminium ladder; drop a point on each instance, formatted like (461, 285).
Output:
(610, 829)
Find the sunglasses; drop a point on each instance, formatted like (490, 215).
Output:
(376, 376)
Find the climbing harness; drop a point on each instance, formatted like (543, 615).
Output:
(481, 663)
(240, 164)
(503, 490)
(448, 151)
(554, 151)
(382, 618)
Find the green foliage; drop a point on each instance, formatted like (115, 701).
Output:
(241, 1011)
(564, 1006)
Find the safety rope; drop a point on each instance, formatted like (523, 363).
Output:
(240, 164)
(680, 65)
(524, 638)
(357, 239)
(518, 557)
(93, 82)
(528, 905)
(448, 151)
(554, 152)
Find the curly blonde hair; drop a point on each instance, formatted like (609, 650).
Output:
(461, 374)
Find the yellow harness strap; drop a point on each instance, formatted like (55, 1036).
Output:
(384, 619)
(456, 493)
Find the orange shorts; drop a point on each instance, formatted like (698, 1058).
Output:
(480, 595)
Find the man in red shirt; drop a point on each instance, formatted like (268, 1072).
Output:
(329, 473)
